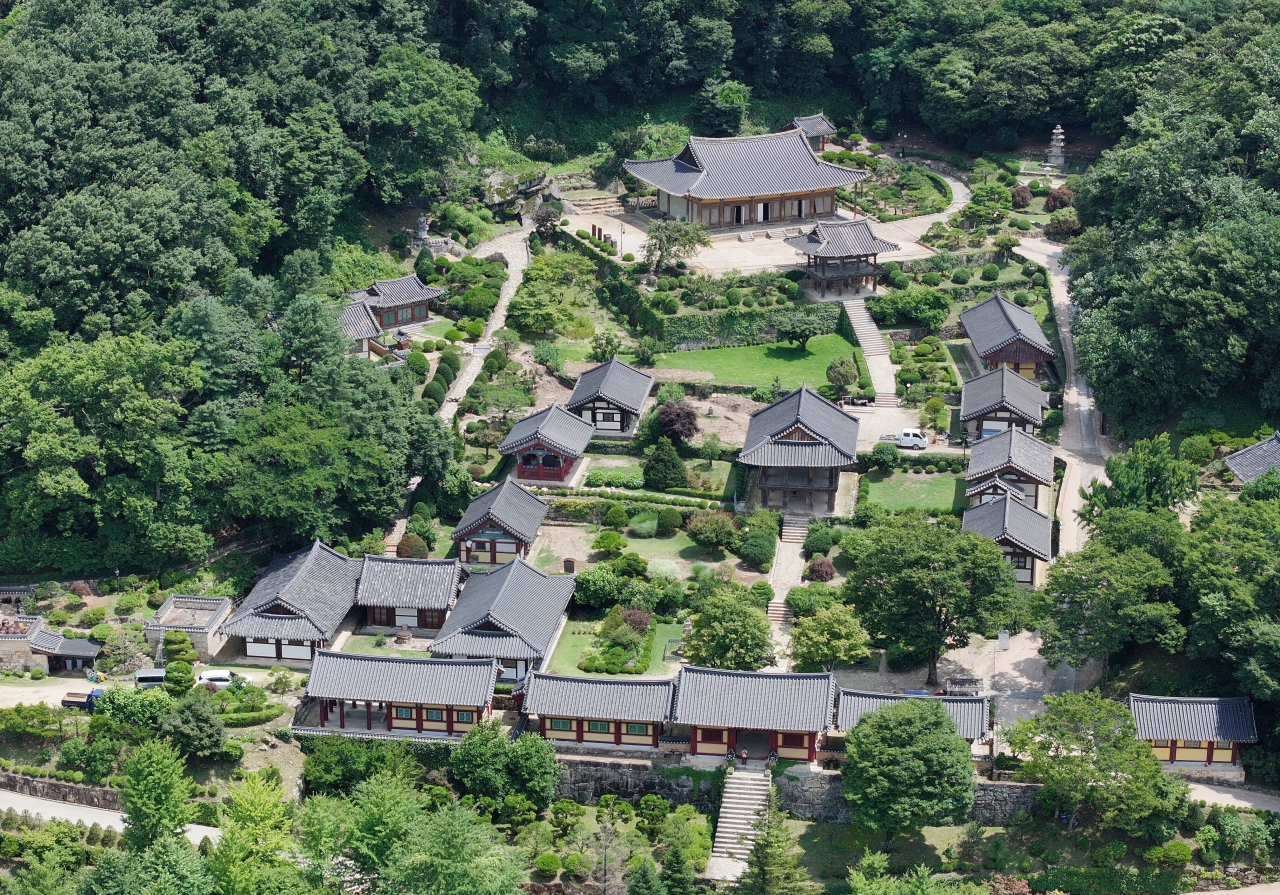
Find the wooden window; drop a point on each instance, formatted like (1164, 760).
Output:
(1161, 744)
(561, 724)
(637, 729)
(598, 726)
(466, 717)
(1221, 745)
(389, 318)
(419, 311)
(430, 618)
(713, 736)
(381, 615)
(403, 713)
(435, 714)
(1192, 744)
(793, 740)
(1020, 561)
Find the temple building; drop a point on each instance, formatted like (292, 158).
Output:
(200, 618)
(512, 613)
(759, 713)
(1005, 335)
(384, 696)
(733, 181)
(1001, 400)
(499, 525)
(547, 444)
(611, 397)
(841, 253)
(596, 711)
(971, 714)
(800, 444)
(1196, 736)
(407, 593)
(1024, 534)
(361, 327)
(1255, 460)
(816, 128)
(397, 302)
(1010, 462)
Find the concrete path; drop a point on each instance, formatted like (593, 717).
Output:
(911, 229)
(515, 246)
(1240, 798)
(50, 809)
(1081, 444)
(786, 572)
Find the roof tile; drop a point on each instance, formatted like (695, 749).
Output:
(554, 427)
(752, 700)
(617, 382)
(402, 679)
(1227, 719)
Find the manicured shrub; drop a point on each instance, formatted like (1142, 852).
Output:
(818, 542)
(757, 548)
(412, 547)
(616, 517)
(990, 273)
(1060, 197)
(548, 864)
(628, 257)
(669, 520)
(1021, 196)
(434, 390)
(1053, 418)
(1039, 280)
(38, 674)
(821, 569)
(1177, 854)
(418, 363)
(734, 297)
(932, 278)
(930, 469)
(960, 276)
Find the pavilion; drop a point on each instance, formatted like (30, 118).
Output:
(733, 181)
(841, 253)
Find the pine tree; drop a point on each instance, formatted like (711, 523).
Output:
(664, 469)
(644, 880)
(677, 875)
(773, 866)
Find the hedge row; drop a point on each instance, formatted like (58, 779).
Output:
(743, 326)
(646, 498)
(582, 510)
(1108, 881)
(427, 753)
(249, 719)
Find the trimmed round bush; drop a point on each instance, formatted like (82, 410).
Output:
(734, 297)
(960, 276)
(749, 301)
(930, 469)
(616, 517)
(669, 519)
(990, 273)
(957, 468)
(917, 469)
(548, 864)
(628, 257)
(821, 569)
(1039, 280)
(932, 278)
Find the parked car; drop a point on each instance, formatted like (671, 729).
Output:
(912, 439)
(148, 678)
(221, 679)
(81, 700)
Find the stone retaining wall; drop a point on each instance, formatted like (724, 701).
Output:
(59, 791)
(995, 802)
(585, 780)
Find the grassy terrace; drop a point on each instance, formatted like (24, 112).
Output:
(570, 646)
(758, 364)
(900, 490)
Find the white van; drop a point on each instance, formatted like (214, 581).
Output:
(148, 678)
(912, 439)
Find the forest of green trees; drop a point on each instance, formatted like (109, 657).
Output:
(182, 184)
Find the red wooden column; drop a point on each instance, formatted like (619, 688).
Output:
(578, 723)
(1173, 751)
(655, 735)
(813, 745)
(773, 741)
(324, 713)
(417, 714)
(389, 711)
(448, 719)
(368, 715)
(342, 713)
(693, 740)
(1208, 753)
(732, 739)
(617, 733)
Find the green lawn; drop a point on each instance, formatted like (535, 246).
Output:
(964, 364)
(363, 644)
(899, 490)
(759, 364)
(678, 546)
(570, 646)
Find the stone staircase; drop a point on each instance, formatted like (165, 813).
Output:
(779, 613)
(794, 529)
(746, 793)
(776, 234)
(746, 237)
(598, 205)
(864, 327)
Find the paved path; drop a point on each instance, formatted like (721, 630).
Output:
(786, 572)
(51, 809)
(1080, 443)
(910, 230)
(515, 246)
(1241, 798)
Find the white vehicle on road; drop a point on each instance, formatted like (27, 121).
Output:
(220, 678)
(912, 439)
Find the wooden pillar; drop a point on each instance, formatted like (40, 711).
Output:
(1208, 751)
(578, 724)
(655, 726)
(324, 713)
(813, 745)
(693, 740)
(417, 715)
(773, 741)
(448, 719)
(733, 739)
(368, 715)
(342, 713)
(617, 733)
(1173, 751)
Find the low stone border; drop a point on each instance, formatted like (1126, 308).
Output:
(59, 791)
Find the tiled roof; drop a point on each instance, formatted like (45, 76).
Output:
(555, 427)
(393, 293)
(1226, 719)
(619, 383)
(1255, 460)
(218, 607)
(358, 322)
(507, 504)
(971, 713)
(977, 486)
(30, 624)
(997, 323)
(1002, 389)
(408, 583)
(841, 239)
(599, 698)
(522, 603)
(318, 586)
(54, 644)
(814, 125)
(752, 700)
(402, 679)
(744, 167)
(1015, 449)
(1009, 520)
(836, 433)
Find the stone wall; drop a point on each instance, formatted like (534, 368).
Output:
(76, 793)
(16, 655)
(995, 802)
(585, 780)
(813, 795)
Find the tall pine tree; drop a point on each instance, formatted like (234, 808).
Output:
(644, 880)
(677, 875)
(773, 866)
